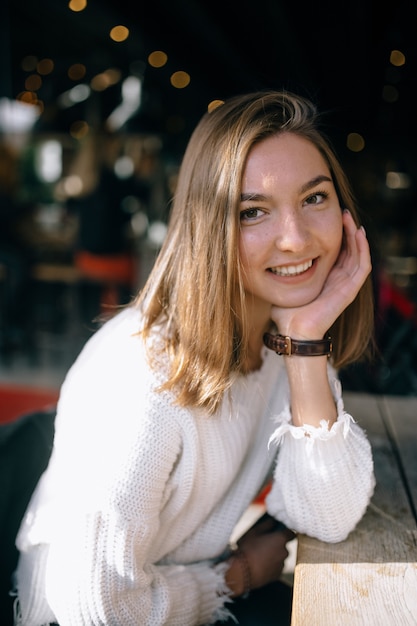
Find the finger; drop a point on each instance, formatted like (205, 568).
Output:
(355, 253)
(349, 232)
(364, 251)
(348, 221)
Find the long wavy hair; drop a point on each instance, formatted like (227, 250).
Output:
(195, 288)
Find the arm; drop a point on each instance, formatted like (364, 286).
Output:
(311, 396)
(105, 556)
(110, 509)
(324, 474)
(260, 556)
(324, 479)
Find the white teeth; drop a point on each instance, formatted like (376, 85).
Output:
(292, 270)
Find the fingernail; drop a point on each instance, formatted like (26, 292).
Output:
(363, 230)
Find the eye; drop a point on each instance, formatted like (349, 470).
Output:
(317, 197)
(251, 214)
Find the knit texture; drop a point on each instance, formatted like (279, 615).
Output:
(141, 496)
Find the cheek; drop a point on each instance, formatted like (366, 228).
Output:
(247, 250)
(334, 235)
(244, 262)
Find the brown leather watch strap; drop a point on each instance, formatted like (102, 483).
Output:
(287, 347)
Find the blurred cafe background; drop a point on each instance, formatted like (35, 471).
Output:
(97, 101)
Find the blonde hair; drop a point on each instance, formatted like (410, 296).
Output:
(195, 288)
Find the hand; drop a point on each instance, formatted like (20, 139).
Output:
(265, 550)
(340, 289)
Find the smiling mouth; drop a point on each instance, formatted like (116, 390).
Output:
(291, 270)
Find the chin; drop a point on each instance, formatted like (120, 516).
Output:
(295, 302)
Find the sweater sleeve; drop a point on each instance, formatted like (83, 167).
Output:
(102, 565)
(106, 556)
(323, 479)
(91, 539)
(112, 584)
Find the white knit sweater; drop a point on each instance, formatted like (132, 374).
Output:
(140, 497)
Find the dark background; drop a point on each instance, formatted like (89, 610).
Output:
(337, 53)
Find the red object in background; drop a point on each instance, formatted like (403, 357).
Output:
(260, 499)
(118, 269)
(111, 270)
(391, 296)
(16, 400)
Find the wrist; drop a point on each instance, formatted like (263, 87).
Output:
(287, 346)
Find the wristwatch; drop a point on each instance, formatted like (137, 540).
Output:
(285, 346)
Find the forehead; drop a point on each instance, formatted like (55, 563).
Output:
(283, 157)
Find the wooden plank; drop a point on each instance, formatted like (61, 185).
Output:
(400, 417)
(390, 496)
(364, 599)
(370, 579)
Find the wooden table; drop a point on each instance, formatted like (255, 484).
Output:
(370, 579)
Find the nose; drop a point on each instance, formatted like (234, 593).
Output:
(292, 234)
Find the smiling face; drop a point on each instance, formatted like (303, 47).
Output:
(291, 223)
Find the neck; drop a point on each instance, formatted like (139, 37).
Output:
(255, 345)
(259, 320)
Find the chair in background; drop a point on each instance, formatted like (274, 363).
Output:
(25, 448)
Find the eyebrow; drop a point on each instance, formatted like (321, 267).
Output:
(315, 181)
(260, 197)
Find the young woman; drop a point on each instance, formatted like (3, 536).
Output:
(179, 410)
